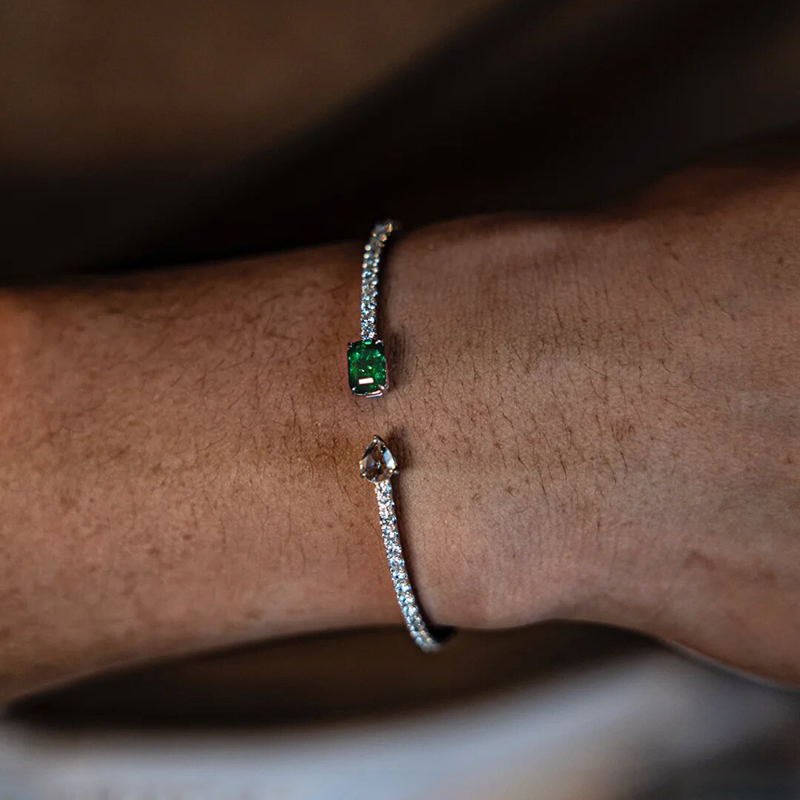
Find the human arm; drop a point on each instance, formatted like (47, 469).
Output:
(597, 420)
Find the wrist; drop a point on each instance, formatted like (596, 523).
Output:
(481, 538)
(573, 445)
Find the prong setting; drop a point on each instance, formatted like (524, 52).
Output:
(367, 370)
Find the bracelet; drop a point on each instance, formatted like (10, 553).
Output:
(368, 376)
(377, 466)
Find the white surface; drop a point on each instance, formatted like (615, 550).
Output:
(591, 737)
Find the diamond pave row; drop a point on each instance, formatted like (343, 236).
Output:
(397, 566)
(378, 465)
(369, 276)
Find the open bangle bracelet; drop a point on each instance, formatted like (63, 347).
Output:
(368, 376)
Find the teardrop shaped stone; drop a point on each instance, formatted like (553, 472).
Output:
(377, 463)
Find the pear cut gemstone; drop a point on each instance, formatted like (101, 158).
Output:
(377, 464)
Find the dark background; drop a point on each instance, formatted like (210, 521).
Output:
(171, 132)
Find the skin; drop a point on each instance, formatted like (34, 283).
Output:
(596, 418)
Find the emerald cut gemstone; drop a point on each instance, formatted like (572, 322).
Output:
(366, 368)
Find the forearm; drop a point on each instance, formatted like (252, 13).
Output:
(177, 466)
(597, 419)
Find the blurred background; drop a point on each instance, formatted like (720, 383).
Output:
(159, 133)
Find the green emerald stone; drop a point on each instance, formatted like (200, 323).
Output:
(366, 368)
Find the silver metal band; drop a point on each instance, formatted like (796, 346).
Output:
(370, 266)
(378, 465)
(368, 377)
